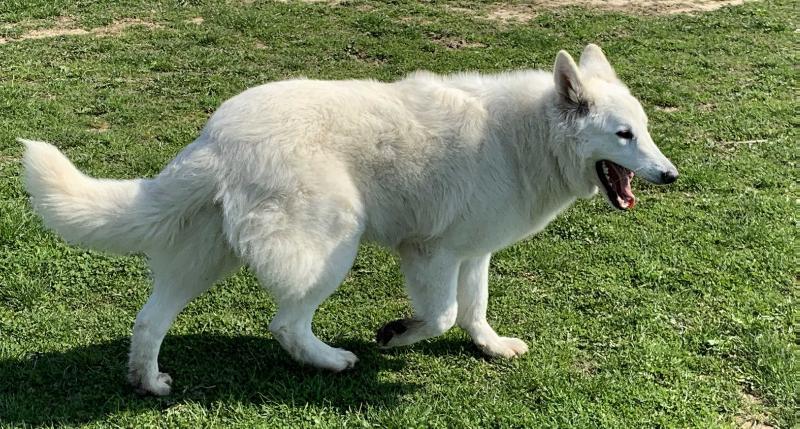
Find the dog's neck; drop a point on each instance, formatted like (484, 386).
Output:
(537, 137)
(532, 135)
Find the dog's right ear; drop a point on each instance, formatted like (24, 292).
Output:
(572, 97)
(594, 63)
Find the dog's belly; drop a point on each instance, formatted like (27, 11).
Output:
(477, 236)
(467, 232)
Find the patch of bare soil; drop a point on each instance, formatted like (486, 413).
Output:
(750, 418)
(99, 126)
(454, 43)
(360, 54)
(330, 2)
(65, 26)
(527, 11)
(667, 109)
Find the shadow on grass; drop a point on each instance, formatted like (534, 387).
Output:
(87, 384)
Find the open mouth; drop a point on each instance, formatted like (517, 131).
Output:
(616, 180)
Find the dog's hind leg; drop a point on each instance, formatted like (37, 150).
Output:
(301, 271)
(431, 283)
(299, 298)
(199, 257)
(300, 248)
(473, 296)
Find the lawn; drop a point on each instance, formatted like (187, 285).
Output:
(680, 313)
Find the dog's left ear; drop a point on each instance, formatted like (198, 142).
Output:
(572, 96)
(594, 63)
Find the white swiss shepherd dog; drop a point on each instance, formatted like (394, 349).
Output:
(289, 177)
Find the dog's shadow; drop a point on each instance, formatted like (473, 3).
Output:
(87, 383)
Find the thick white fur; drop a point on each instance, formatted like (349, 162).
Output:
(291, 176)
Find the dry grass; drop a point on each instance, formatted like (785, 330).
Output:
(526, 11)
(65, 26)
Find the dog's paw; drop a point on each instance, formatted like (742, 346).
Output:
(504, 347)
(399, 332)
(389, 331)
(160, 385)
(342, 360)
(332, 359)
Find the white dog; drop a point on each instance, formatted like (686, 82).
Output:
(289, 177)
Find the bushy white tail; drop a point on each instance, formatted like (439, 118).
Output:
(121, 216)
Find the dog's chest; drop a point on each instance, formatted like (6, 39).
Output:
(495, 229)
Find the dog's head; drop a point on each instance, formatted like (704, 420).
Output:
(609, 125)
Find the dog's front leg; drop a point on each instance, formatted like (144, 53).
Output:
(431, 282)
(473, 296)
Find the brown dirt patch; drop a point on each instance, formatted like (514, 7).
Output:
(666, 109)
(362, 55)
(454, 43)
(330, 2)
(527, 11)
(99, 126)
(585, 367)
(65, 26)
(751, 416)
(734, 145)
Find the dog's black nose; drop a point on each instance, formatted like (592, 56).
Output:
(669, 176)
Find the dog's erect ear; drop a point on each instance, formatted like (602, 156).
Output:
(595, 64)
(572, 97)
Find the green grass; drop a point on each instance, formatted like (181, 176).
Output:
(682, 313)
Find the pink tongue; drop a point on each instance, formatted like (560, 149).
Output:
(622, 185)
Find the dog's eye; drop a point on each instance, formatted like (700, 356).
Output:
(625, 134)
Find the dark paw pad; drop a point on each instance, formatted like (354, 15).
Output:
(389, 330)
